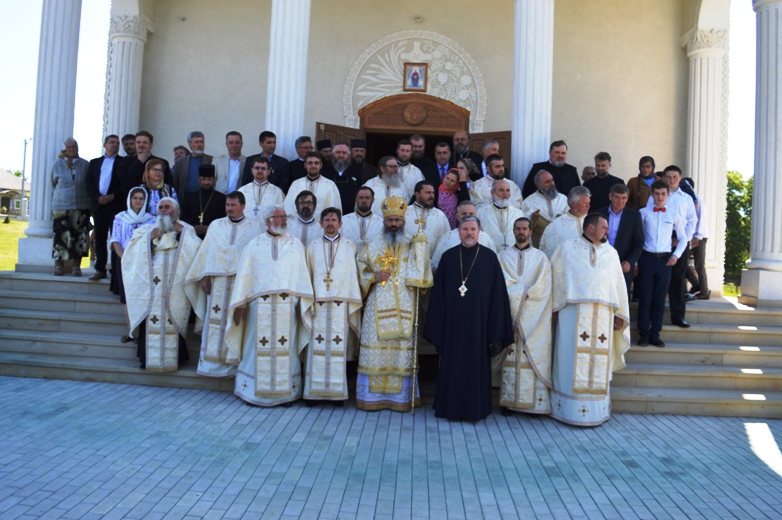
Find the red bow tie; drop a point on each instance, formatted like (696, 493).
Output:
(656, 209)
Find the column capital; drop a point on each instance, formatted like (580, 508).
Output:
(700, 41)
(757, 4)
(136, 26)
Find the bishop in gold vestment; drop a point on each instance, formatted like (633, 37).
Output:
(210, 280)
(154, 267)
(266, 335)
(335, 318)
(592, 332)
(390, 270)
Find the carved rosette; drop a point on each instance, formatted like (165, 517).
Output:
(133, 26)
(415, 113)
(697, 40)
(379, 71)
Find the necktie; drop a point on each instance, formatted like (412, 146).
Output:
(442, 171)
(662, 210)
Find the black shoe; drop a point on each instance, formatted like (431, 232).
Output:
(689, 297)
(506, 412)
(339, 404)
(309, 404)
(143, 366)
(642, 341)
(657, 342)
(704, 296)
(287, 405)
(681, 323)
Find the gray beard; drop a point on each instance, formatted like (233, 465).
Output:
(392, 180)
(550, 193)
(358, 161)
(391, 237)
(281, 229)
(558, 164)
(165, 223)
(340, 166)
(196, 153)
(460, 149)
(501, 203)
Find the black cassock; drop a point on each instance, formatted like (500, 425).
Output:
(461, 327)
(212, 202)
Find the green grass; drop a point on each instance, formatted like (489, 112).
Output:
(730, 289)
(9, 245)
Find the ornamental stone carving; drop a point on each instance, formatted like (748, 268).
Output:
(379, 71)
(415, 113)
(698, 40)
(125, 25)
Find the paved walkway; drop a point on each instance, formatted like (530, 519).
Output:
(93, 450)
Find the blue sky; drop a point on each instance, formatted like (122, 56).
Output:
(20, 24)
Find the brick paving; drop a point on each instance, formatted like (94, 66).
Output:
(97, 450)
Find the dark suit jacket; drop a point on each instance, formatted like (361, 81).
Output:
(191, 207)
(296, 170)
(423, 162)
(565, 178)
(182, 170)
(347, 184)
(115, 186)
(474, 156)
(133, 171)
(629, 242)
(278, 176)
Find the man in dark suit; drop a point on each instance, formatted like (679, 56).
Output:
(434, 173)
(600, 185)
(346, 176)
(186, 168)
(133, 166)
(461, 150)
(358, 155)
(279, 174)
(296, 169)
(625, 230)
(565, 175)
(418, 159)
(104, 187)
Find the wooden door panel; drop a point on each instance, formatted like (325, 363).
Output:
(337, 133)
(504, 138)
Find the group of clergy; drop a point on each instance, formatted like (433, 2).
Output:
(283, 304)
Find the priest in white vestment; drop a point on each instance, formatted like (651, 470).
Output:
(363, 225)
(211, 278)
(388, 184)
(526, 365)
(335, 318)
(325, 191)
(391, 271)
(480, 190)
(568, 225)
(154, 268)
(591, 312)
(423, 217)
(410, 174)
(498, 217)
(466, 208)
(260, 193)
(267, 335)
(543, 206)
(303, 225)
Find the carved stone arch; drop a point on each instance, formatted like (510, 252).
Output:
(413, 113)
(378, 73)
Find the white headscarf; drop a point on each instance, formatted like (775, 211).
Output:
(131, 217)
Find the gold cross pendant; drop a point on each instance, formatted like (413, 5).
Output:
(201, 219)
(328, 281)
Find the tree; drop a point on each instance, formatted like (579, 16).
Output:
(738, 223)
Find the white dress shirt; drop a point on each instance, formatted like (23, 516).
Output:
(659, 227)
(685, 207)
(613, 225)
(702, 229)
(233, 174)
(105, 174)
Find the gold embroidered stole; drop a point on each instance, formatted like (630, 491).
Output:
(594, 337)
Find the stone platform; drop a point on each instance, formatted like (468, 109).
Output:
(728, 363)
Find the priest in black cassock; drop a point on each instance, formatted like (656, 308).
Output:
(565, 175)
(346, 176)
(468, 320)
(201, 208)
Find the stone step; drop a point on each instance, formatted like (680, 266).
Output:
(74, 344)
(51, 321)
(688, 401)
(750, 379)
(719, 335)
(60, 301)
(706, 354)
(10, 280)
(107, 371)
(723, 311)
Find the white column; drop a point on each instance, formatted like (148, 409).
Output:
(287, 78)
(532, 83)
(705, 147)
(761, 283)
(55, 101)
(127, 37)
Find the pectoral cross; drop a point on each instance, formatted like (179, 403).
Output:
(201, 219)
(328, 281)
(387, 259)
(256, 210)
(421, 222)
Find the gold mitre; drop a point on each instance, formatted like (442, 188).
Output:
(394, 207)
